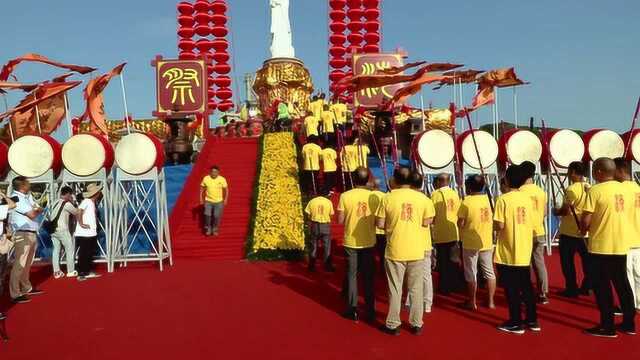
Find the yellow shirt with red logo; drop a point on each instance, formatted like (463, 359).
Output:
(311, 157)
(359, 207)
(634, 213)
(477, 233)
(445, 224)
(320, 210)
(515, 242)
(310, 126)
(340, 112)
(539, 199)
(404, 211)
(329, 157)
(328, 120)
(575, 196)
(380, 195)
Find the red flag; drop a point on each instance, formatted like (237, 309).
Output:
(460, 77)
(414, 87)
(398, 69)
(16, 86)
(501, 78)
(442, 67)
(485, 96)
(95, 101)
(11, 65)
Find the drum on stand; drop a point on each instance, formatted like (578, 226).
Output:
(564, 147)
(138, 153)
(33, 155)
(602, 143)
(487, 148)
(434, 148)
(517, 146)
(86, 154)
(632, 145)
(4, 158)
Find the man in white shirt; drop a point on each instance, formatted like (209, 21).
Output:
(23, 220)
(7, 205)
(61, 211)
(86, 233)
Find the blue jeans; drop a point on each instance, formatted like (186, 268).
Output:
(212, 215)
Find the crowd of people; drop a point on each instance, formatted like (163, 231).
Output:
(70, 218)
(476, 239)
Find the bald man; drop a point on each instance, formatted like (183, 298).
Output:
(606, 217)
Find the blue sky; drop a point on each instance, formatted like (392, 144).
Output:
(581, 56)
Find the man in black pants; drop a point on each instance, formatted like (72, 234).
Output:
(572, 240)
(86, 233)
(606, 215)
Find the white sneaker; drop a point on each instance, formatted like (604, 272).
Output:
(92, 275)
(58, 274)
(427, 310)
(72, 274)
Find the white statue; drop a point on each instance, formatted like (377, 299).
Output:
(281, 39)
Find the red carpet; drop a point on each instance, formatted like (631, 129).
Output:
(239, 310)
(237, 160)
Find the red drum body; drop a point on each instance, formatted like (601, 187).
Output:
(602, 143)
(434, 148)
(487, 148)
(564, 147)
(138, 153)
(4, 157)
(86, 154)
(632, 145)
(517, 146)
(33, 156)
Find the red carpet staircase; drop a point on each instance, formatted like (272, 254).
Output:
(237, 159)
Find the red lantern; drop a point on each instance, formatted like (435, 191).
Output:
(202, 30)
(371, 48)
(372, 14)
(371, 3)
(202, 18)
(225, 105)
(219, 31)
(337, 39)
(186, 44)
(372, 38)
(219, 19)
(337, 50)
(218, 7)
(201, 6)
(336, 75)
(355, 26)
(187, 55)
(220, 44)
(211, 93)
(211, 69)
(354, 3)
(337, 15)
(221, 57)
(372, 26)
(210, 81)
(185, 8)
(186, 32)
(224, 93)
(355, 14)
(337, 4)
(338, 26)
(223, 68)
(355, 38)
(354, 49)
(338, 63)
(222, 81)
(186, 20)
(212, 105)
(204, 45)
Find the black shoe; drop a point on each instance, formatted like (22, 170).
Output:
(628, 330)
(2, 316)
(371, 317)
(617, 311)
(389, 331)
(328, 267)
(350, 315)
(416, 330)
(35, 291)
(510, 328)
(533, 326)
(600, 332)
(571, 294)
(21, 299)
(584, 291)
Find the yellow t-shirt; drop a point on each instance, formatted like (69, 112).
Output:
(445, 224)
(316, 108)
(634, 213)
(515, 242)
(359, 207)
(327, 122)
(477, 233)
(311, 157)
(340, 112)
(329, 157)
(404, 211)
(539, 199)
(608, 202)
(380, 195)
(320, 210)
(214, 188)
(310, 126)
(354, 156)
(576, 195)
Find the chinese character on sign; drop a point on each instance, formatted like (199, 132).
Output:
(372, 64)
(181, 87)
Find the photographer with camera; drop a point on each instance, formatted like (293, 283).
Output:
(6, 204)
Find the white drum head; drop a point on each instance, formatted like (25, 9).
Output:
(136, 154)
(606, 143)
(83, 155)
(31, 156)
(436, 149)
(524, 146)
(635, 148)
(565, 147)
(487, 148)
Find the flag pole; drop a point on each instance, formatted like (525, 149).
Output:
(35, 97)
(124, 100)
(515, 106)
(67, 109)
(6, 109)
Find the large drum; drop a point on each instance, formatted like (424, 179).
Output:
(564, 147)
(487, 148)
(517, 146)
(602, 143)
(138, 153)
(33, 156)
(632, 145)
(86, 154)
(4, 158)
(434, 148)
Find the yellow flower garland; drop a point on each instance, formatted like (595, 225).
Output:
(279, 222)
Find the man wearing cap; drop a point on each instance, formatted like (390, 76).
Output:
(86, 233)
(25, 227)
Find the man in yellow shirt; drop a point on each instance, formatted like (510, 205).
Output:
(514, 222)
(328, 124)
(316, 105)
(311, 165)
(539, 199)
(445, 232)
(339, 111)
(356, 210)
(572, 240)
(310, 125)
(623, 174)
(319, 211)
(606, 216)
(404, 214)
(476, 232)
(214, 197)
(329, 159)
